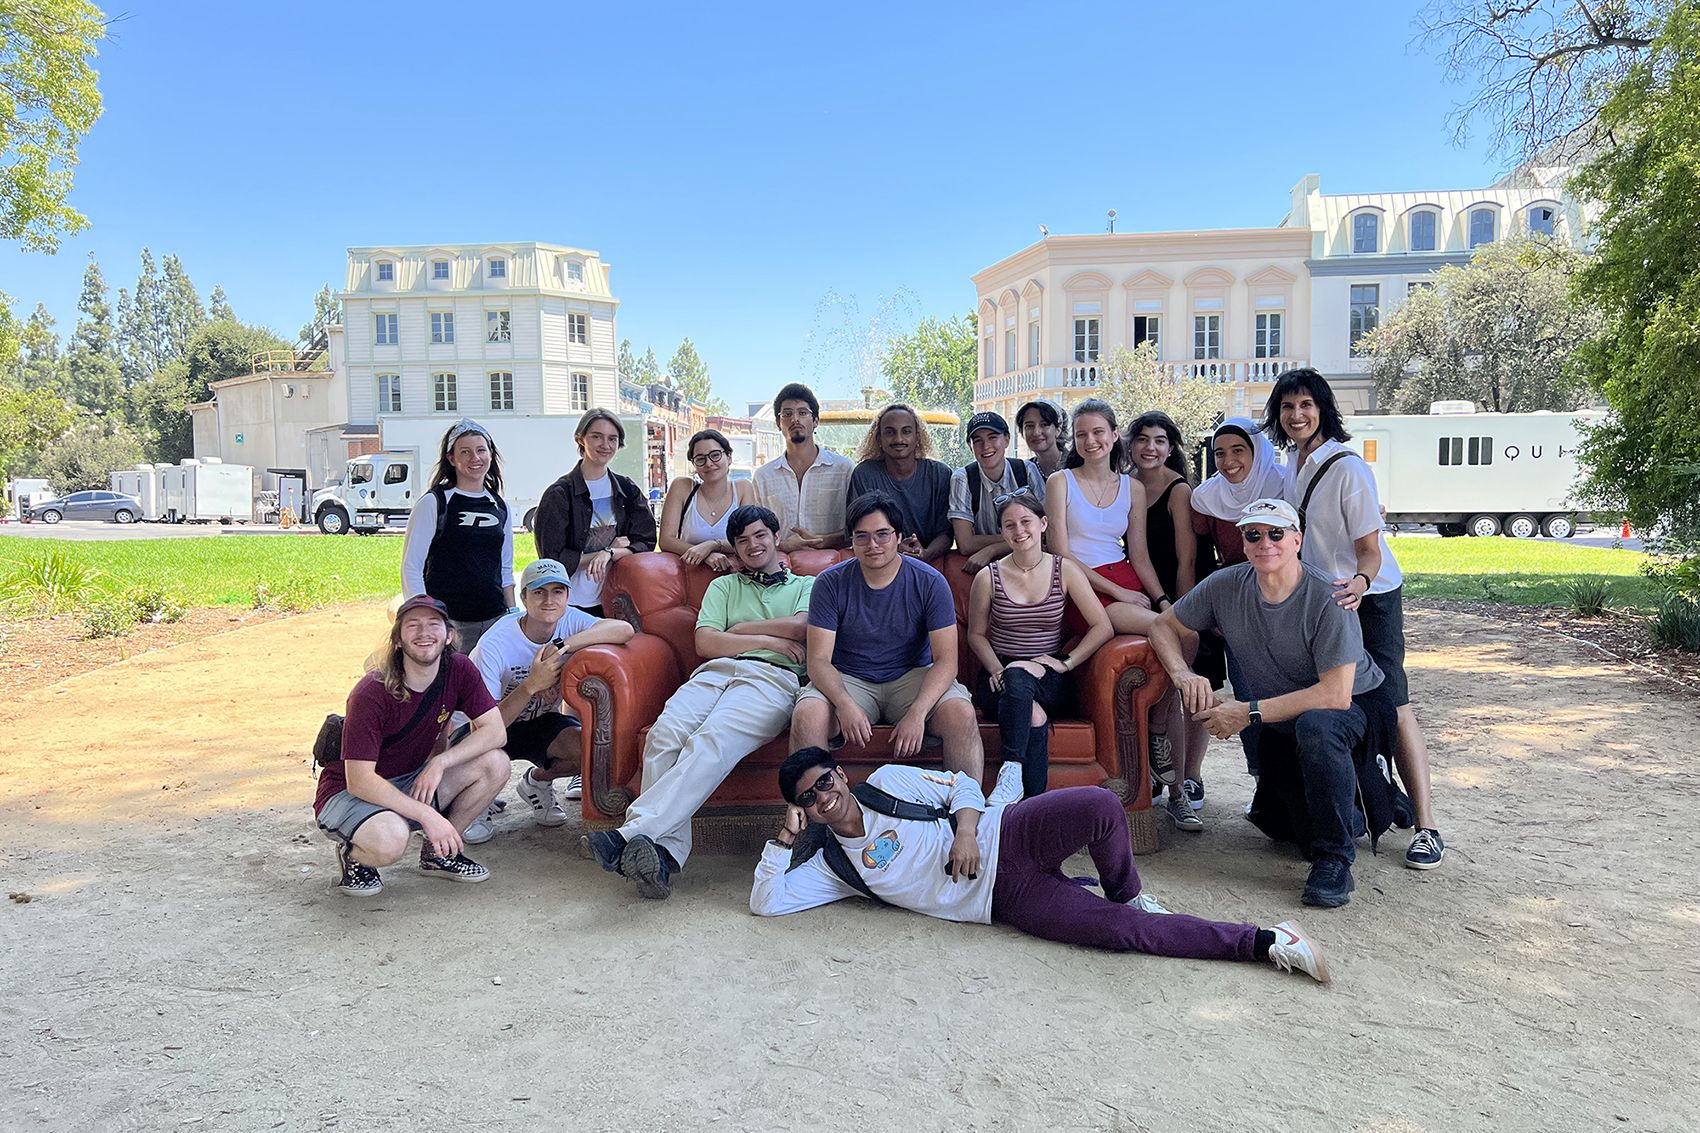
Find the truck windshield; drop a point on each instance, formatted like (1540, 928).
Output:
(360, 474)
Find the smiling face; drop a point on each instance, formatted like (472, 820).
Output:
(1151, 448)
(898, 438)
(1268, 555)
(757, 548)
(1234, 457)
(1300, 416)
(712, 463)
(600, 442)
(471, 457)
(875, 541)
(1094, 437)
(546, 603)
(424, 633)
(797, 420)
(1040, 437)
(989, 446)
(832, 803)
(1021, 528)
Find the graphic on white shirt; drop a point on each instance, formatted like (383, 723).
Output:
(882, 851)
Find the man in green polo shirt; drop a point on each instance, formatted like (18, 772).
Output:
(752, 628)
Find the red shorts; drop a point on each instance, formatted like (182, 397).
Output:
(1121, 573)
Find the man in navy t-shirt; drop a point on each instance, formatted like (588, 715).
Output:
(882, 648)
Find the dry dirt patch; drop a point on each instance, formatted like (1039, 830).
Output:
(183, 964)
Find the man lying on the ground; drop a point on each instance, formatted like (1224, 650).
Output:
(917, 841)
(388, 783)
(751, 628)
(520, 659)
(1307, 677)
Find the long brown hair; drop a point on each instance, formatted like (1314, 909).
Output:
(870, 449)
(386, 660)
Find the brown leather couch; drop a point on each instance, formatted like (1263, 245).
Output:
(619, 690)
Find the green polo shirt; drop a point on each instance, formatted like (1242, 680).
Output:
(733, 599)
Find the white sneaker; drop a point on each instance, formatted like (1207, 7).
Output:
(1146, 903)
(541, 796)
(575, 788)
(479, 832)
(1008, 787)
(1293, 950)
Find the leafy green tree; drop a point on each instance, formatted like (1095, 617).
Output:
(40, 366)
(648, 368)
(84, 458)
(627, 363)
(1645, 280)
(934, 365)
(48, 102)
(30, 421)
(141, 325)
(181, 311)
(689, 375)
(93, 377)
(326, 310)
(218, 307)
(1501, 331)
(1135, 382)
(10, 333)
(220, 350)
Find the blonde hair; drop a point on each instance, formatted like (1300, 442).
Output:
(870, 449)
(386, 660)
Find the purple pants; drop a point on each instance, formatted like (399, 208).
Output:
(1032, 893)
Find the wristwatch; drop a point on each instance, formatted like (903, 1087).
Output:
(1256, 716)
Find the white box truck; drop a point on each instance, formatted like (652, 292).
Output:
(1476, 473)
(207, 491)
(378, 490)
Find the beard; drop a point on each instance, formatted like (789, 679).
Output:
(424, 657)
(798, 436)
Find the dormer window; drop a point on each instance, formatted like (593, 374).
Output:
(575, 271)
(439, 269)
(1542, 220)
(1366, 232)
(1481, 227)
(386, 272)
(1422, 231)
(498, 269)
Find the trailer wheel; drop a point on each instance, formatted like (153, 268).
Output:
(529, 517)
(1522, 526)
(1558, 527)
(333, 521)
(1483, 526)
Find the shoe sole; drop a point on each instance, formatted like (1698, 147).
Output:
(451, 875)
(372, 892)
(1321, 964)
(641, 862)
(1435, 864)
(1327, 900)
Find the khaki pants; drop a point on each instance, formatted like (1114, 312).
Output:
(685, 758)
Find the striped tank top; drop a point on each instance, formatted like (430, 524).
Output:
(1022, 631)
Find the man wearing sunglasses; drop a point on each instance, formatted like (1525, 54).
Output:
(882, 648)
(960, 860)
(977, 489)
(1307, 679)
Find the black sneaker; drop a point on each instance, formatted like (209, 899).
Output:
(1162, 759)
(357, 880)
(649, 865)
(458, 868)
(1330, 883)
(1195, 792)
(1425, 850)
(604, 847)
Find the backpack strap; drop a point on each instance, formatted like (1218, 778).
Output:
(891, 806)
(427, 701)
(684, 511)
(817, 838)
(442, 499)
(1020, 473)
(972, 471)
(1317, 479)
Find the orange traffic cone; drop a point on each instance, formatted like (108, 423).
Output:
(1625, 534)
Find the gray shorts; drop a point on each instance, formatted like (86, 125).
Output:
(345, 812)
(887, 702)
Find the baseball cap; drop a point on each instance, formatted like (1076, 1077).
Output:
(422, 602)
(541, 571)
(987, 420)
(1273, 512)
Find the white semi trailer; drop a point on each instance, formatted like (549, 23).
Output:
(206, 491)
(1477, 473)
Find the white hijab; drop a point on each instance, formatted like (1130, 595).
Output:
(1268, 477)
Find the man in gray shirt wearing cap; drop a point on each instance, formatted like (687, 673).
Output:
(1307, 676)
(976, 488)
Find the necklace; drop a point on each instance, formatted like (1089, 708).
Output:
(1092, 495)
(1027, 569)
(714, 508)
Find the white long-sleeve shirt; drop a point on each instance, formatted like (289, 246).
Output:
(901, 860)
(422, 528)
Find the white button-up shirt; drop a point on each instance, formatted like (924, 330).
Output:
(817, 504)
(1343, 509)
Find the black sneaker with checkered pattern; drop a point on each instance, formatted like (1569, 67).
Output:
(458, 868)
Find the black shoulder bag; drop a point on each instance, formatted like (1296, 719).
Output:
(327, 747)
(818, 838)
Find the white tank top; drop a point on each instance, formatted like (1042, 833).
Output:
(1095, 534)
(699, 530)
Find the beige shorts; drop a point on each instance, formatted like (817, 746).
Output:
(889, 702)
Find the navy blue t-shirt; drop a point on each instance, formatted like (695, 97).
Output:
(882, 634)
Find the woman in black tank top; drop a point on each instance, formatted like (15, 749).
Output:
(459, 546)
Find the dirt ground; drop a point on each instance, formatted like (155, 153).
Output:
(175, 959)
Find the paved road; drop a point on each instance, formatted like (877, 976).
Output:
(107, 532)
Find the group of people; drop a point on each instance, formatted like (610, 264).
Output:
(1101, 533)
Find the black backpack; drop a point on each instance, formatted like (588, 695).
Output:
(972, 468)
(327, 746)
(818, 838)
(441, 495)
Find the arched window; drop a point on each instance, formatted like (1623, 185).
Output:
(1366, 232)
(1542, 219)
(1424, 224)
(1482, 225)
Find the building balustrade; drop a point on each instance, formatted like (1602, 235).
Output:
(1036, 381)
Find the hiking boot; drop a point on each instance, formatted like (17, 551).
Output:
(541, 796)
(1330, 884)
(575, 787)
(1293, 951)
(1185, 817)
(648, 865)
(357, 880)
(1162, 758)
(1146, 903)
(458, 868)
(604, 847)
(1425, 850)
(1008, 787)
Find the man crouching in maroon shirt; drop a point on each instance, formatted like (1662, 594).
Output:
(388, 782)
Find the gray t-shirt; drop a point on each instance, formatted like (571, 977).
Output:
(1282, 647)
(986, 519)
(925, 496)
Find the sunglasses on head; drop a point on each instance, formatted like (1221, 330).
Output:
(1024, 490)
(1276, 534)
(806, 799)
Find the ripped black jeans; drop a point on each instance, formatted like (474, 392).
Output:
(1012, 708)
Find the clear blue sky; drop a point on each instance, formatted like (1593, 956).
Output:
(734, 164)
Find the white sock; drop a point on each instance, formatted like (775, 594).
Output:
(1008, 787)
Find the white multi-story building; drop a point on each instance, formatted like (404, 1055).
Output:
(434, 333)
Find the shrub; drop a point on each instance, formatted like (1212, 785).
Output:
(1679, 575)
(109, 619)
(50, 583)
(1676, 623)
(293, 593)
(1587, 596)
(150, 601)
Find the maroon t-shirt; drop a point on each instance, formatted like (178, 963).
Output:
(1230, 545)
(373, 714)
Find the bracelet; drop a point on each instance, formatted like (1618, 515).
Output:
(1161, 598)
(1368, 581)
(782, 845)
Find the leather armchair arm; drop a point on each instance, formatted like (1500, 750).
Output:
(1117, 690)
(616, 691)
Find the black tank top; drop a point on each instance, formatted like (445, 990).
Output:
(463, 568)
(1160, 539)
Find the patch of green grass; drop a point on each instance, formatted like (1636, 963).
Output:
(1524, 572)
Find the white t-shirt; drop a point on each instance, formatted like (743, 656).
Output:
(901, 861)
(504, 656)
(1343, 509)
(582, 590)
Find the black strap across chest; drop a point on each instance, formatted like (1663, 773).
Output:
(1304, 504)
(974, 478)
(818, 838)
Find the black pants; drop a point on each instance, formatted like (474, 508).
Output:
(1012, 708)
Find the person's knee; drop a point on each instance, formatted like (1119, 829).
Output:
(382, 839)
(1039, 717)
(809, 723)
(955, 715)
(493, 766)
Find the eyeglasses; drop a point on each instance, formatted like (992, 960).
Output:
(795, 415)
(713, 456)
(883, 536)
(1276, 534)
(806, 799)
(1024, 490)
